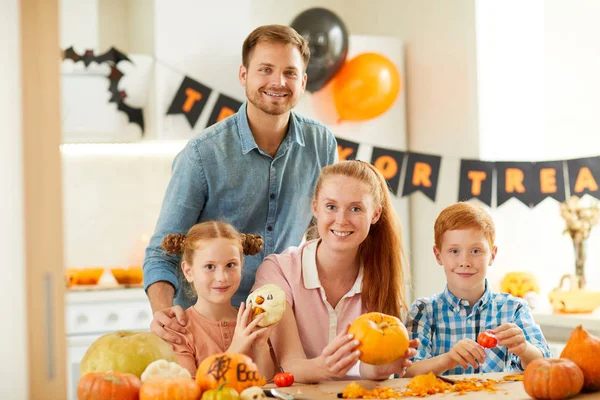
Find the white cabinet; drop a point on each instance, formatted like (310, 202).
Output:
(91, 314)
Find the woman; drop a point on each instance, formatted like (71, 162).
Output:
(356, 266)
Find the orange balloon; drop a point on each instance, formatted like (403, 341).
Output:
(365, 87)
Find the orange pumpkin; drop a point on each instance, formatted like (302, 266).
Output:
(170, 388)
(551, 378)
(383, 338)
(584, 350)
(238, 370)
(108, 386)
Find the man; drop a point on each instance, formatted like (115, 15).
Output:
(256, 170)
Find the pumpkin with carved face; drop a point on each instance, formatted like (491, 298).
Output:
(268, 300)
(519, 283)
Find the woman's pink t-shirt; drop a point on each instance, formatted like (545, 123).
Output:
(295, 272)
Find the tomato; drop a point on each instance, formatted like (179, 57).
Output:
(487, 339)
(284, 379)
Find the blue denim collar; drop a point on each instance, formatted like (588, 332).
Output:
(294, 134)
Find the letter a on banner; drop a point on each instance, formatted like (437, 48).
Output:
(422, 173)
(548, 181)
(224, 107)
(190, 100)
(346, 149)
(584, 176)
(389, 163)
(515, 179)
(476, 180)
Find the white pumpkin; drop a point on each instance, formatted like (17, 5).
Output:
(268, 300)
(164, 368)
(253, 393)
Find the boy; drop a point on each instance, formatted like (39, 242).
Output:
(448, 324)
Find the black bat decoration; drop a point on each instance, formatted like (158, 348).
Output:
(114, 78)
(112, 55)
(134, 115)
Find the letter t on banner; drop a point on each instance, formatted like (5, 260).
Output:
(476, 181)
(190, 100)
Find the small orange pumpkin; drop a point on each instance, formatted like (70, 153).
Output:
(552, 378)
(170, 388)
(383, 338)
(584, 350)
(238, 370)
(108, 386)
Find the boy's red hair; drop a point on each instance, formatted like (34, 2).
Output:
(464, 215)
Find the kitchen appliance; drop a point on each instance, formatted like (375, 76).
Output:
(91, 314)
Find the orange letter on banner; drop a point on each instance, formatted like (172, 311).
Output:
(225, 112)
(421, 174)
(344, 153)
(585, 179)
(548, 180)
(514, 180)
(477, 177)
(387, 166)
(192, 97)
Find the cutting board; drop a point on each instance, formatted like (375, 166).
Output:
(508, 390)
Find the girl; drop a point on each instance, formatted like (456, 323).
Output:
(356, 266)
(212, 257)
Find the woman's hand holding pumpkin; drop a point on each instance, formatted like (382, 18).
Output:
(466, 352)
(340, 355)
(511, 337)
(246, 331)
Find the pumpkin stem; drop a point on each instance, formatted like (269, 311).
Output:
(221, 385)
(383, 326)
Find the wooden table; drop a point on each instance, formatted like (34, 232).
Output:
(508, 390)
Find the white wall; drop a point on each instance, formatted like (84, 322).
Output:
(441, 92)
(539, 100)
(13, 384)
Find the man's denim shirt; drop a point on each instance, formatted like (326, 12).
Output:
(222, 175)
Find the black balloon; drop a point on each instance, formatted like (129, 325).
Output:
(328, 40)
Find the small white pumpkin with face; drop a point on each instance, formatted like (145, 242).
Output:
(268, 300)
(253, 393)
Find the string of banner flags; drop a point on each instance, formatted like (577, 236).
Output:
(528, 182)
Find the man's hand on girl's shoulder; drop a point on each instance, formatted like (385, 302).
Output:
(173, 318)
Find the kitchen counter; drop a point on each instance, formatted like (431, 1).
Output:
(329, 390)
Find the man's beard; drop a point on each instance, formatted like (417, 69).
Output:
(257, 99)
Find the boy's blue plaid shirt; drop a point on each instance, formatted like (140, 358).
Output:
(443, 320)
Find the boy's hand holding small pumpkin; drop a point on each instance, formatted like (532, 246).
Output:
(466, 352)
(511, 337)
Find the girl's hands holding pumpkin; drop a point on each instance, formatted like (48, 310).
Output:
(340, 355)
(511, 337)
(466, 352)
(246, 331)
